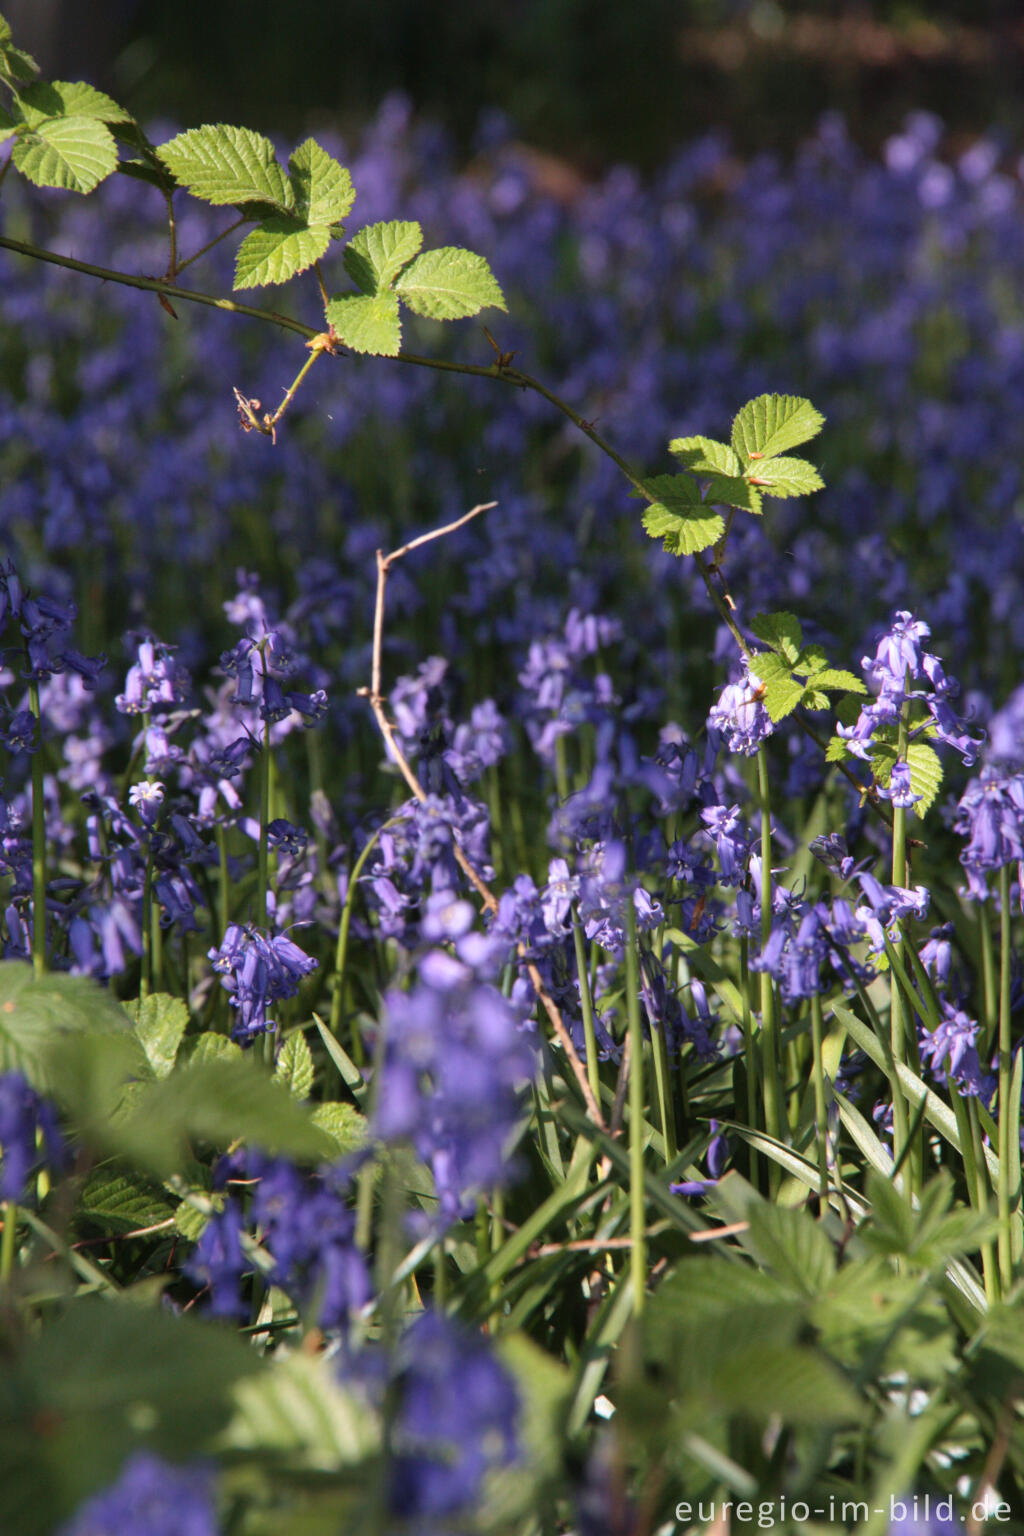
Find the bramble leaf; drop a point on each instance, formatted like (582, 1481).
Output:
(703, 455)
(925, 774)
(367, 323)
(375, 256)
(781, 631)
(342, 1123)
(15, 64)
(323, 189)
(767, 667)
(785, 477)
(73, 153)
(277, 249)
(449, 284)
(225, 165)
(767, 426)
(61, 98)
(781, 697)
(732, 491)
(123, 1201)
(40, 1014)
(295, 1066)
(160, 1024)
(835, 677)
(679, 517)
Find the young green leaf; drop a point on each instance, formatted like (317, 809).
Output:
(367, 323)
(323, 189)
(160, 1024)
(835, 677)
(73, 153)
(295, 1066)
(224, 165)
(375, 256)
(61, 98)
(703, 455)
(786, 477)
(925, 774)
(782, 632)
(15, 64)
(449, 284)
(277, 249)
(781, 697)
(767, 426)
(679, 517)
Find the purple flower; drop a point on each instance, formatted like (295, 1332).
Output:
(25, 1119)
(258, 969)
(991, 816)
(150, 1498)
(457, 1420)
(739, 714)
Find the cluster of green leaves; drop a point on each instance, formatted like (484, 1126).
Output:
(923, 761)
(65, 137)
(795, 675)
(737, 474)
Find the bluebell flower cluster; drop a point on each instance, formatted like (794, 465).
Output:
(151, 1497)
(30, 1137)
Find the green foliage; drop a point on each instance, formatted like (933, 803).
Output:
(40, 1015)
(678, 516)
(367, 323)
(767, 426)
(376, 255)
(160, 1024)
(295, 1066)
(228, 166)
(794, 675)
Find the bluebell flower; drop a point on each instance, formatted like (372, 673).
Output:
(258, 969)
(991, 816)
(29, 1136)
(457, 1420)
(740, 715)
(151, 1497)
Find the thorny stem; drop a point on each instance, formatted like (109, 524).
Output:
(483, 890)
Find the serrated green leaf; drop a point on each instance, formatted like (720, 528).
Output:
(295, 1066)
(211, 1047)
(815, 700)
(767, 667)
(767, 426)
(224, 165)
(298, 1409)
(277, 249)
(797, 1384)
(375, 256)
(73, 153)
(837, 750)
(793, 1246)
(703, 455)
(61, 98)
(40, 1014)
(219, 1102)
(684, 531)
(123, 1201)
(15, 64)
(835, 677)
(367, 323)
(925, 774)
(781, 631)
(342, 1123)
(160, 1024)
(8, 125)
(727, 491)
(781, 697)
(448, 284)
(323, 189)
(785, 477)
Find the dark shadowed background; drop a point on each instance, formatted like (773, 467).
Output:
(592, 80)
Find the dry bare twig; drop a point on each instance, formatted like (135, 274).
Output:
(387, 730)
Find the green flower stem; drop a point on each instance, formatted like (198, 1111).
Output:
(637, 1099)
(1004, 1194)
(897, 1014)
(341, 949)
(977, 1190)
(820, 1102)
(263, 869)
(224, 888)
(38, 841)
(770, 1073)
(7, 1243)
(587, 1006)
(749, 1056)
(990, 1022)
(146, 977)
